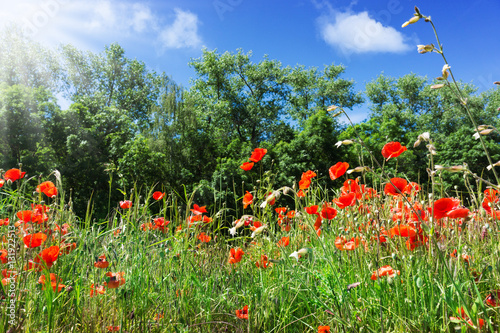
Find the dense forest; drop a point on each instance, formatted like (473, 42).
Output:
(129, 127)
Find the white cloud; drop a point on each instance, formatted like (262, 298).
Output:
(183, 32)
(358, 33)
(86, 22)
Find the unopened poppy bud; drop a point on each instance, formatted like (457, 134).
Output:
(417, 143)
(482, 127)
(425, 48)
(489, 167)
(301, 252)
(486, 131)
(343, 142)
(358, 169)
(258, 230)
(437, 86)
(332, 108)
(414, 19)
(496, 82)
(444, 71)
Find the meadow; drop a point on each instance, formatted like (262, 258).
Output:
(385, 255)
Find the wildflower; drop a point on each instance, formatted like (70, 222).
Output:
(324, 329)
(302, 252)
(270, 199)
(328, 212)
(258, 231)
(113, 328)
(54, 282)
(458, 213)
(160, 224)
(3, 256)
(343, 142)
(204, 238)
(247, 199)
(342, 244)
(13, 175)
(263, 263)
(358, 169)
(101, 262)
(491, 166)
(48, 188)
(47, 256)
(158, 195)
(414, 19)
(464, 318)
(403, 231)
(392, 149)
(301, 194)
(384, 271)
(114, 280)
(258, 154)
(396, 186)
(94, 290)
(284, 241)
(243, 313)
(4, 221)
(34, 240)
(443, 206)
(197, 210)
(238, 224)
(425, 48)
(235, 255)
(492, 298)
(126, 204)
(2, 182)
(247, 166)
(422, 137)
(346, 200)
(412, 187)
(338, 170)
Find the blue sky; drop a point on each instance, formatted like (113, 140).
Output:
(365, 36)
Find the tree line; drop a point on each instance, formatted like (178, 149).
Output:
(128, 126)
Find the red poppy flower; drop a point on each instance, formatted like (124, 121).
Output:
(324, 329)
(258, 154)
(343, 245)
(338, 170)
(35, 240)
(443, 206)
(3, 256)
(346, 200)
(94, 290)
(157, 195)
(243, 313)
(309, 174)
(4, 221)
(101, 262)
(48, 188)
(13, 175)
(263, 263)
(247, 199)
(284, 241)
(400, 184)
(312, 209)
(204, 238)
(392, 149)
(492, 298)
(412, 187)
(384, 271)
(114, 280)
(403, 231)
(47, 256)
(458, 213)
(2, 182)
(126, 204)
(235, 255)
(247, 166)
(197, 210)
(301, 194)
(54, 282)
(328, 212)
(113, 328)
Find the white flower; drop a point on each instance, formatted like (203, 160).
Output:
(258, 230)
